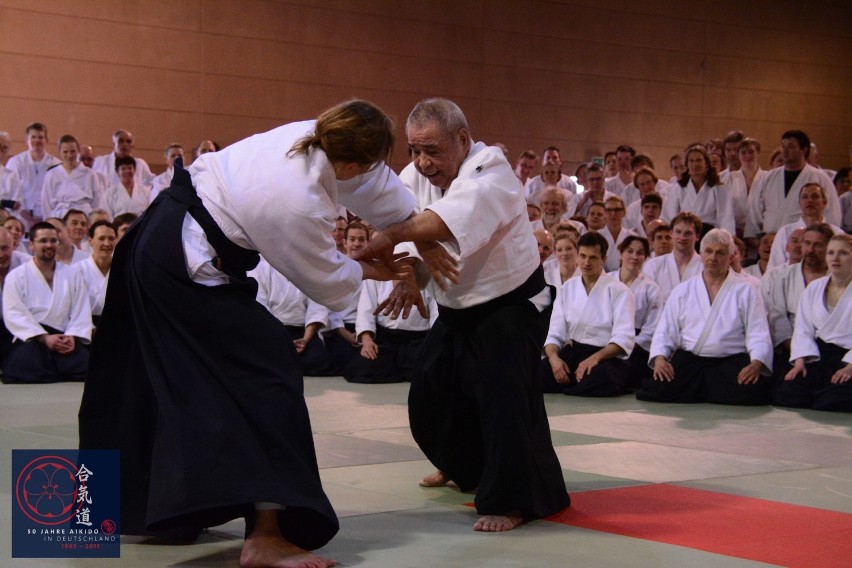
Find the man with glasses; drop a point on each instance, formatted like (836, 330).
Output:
(614, 231)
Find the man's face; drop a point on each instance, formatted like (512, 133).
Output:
(792, 154)
(550, 174)
(677, 166)
(747, 154)
(36, 140)
(650, 211)
(663, 242)
(44, 245)
(794, 246)
(126, 173)
(811, 201)
(614, 213)
(78, 224)
(5, 250)
(68, 153)
(764, 248)
(552, 157)
(684, 236)
(814, 245)
(524, 167)
(645, 184)
(590, 261)
(338, 233)
(552, 206)
(174, 154)
(206, 147)
(545, 245)
(87, 156)
(121, 229)
(595, 182)
(610, 163)
(533, 212)
(437, 155)
(622, 161)
(355, 241)
(596, 219)
(716, 258)
(103, 242)
(732, 156)
(123, 144)
(5, 147)
(61, 231)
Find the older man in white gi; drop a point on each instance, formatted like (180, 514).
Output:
(477, 389)
(712, 342)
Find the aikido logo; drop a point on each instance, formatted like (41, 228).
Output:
(47, 491)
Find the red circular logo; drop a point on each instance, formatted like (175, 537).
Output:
(46, 490)
(108, 526)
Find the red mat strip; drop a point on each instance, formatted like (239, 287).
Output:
(744, 527)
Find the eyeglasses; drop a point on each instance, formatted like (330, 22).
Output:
(614, 210)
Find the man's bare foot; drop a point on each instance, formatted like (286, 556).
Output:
(498, 523)
(274, 551)
(437, 479)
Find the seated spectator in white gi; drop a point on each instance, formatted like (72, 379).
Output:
(794, 253)
(31, 166)
(565, 267)
(813, 200)
(302, 317)
(128, 196)
(592, 329)
(737, 263)
(11, 193)
(623, 162)
(614, 231)
(634, 250)
(78, 228)
(774, 200)
(389, 346)
(16, 228)
(712, 341)
(164, 180)
(632, 194)
(786, 288)
(645, 181)
(660, 234)
(842, 184)
(740, 182)
(122, 144)
(70, 185)
(46, 308)
(594, 190)
(683, 262)
(545, 246)
(556, 208)
(94, 271)
(66, 252)
(525, 165)
(764, 248)
(700, 191)
(339, 336)
(550, 156)
(821, 350)
(650, 207)
(730, 146)
(9, 259)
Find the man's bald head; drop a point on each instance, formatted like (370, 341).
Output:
(6, 243)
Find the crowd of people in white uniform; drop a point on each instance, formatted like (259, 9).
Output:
(721, 282)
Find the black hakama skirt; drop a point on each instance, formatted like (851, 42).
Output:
(200, 389)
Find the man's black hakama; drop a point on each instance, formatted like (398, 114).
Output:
(476, 407)
(199, 387)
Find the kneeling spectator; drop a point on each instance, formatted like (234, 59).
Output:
(821, 350)
(389, 347)
(591, 329)
(46, 308)
(712, 341)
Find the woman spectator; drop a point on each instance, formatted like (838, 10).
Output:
(565, 266)
(700, 191)
(821, 350)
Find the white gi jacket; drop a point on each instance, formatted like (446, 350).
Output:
(285, 208)
(663, 270)
(737, 321)
(613, 257)
(105, 165)
(492, 236)
(63, 190)
(778, 254)
(713, 204)
(814, 320)
(604, 315)
(32, 177)
(646, 296)
(373, 293)
(283, 300)
(770, 209)
(94, 282)
(28, 302)
(10, 185)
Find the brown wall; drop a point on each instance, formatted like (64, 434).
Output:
(585, 75)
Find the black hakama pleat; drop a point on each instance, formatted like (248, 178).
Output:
(815, 390)
(608, 378)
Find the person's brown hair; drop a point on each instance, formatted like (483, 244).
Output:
(354, 131)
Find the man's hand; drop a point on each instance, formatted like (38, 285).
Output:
(369, 348)
(585, 367)
(400, 268)
(798, 369)
(842, 375)
(560, 369)
(663, 370)
(402, 298)
(300, 344)
(750, 373)
(60, 343)
(379, 248)
(440, 263)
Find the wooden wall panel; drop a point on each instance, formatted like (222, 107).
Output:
(585, 75)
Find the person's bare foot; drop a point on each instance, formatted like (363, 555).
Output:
(437, 479)
(275, 551)
(498, 523)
